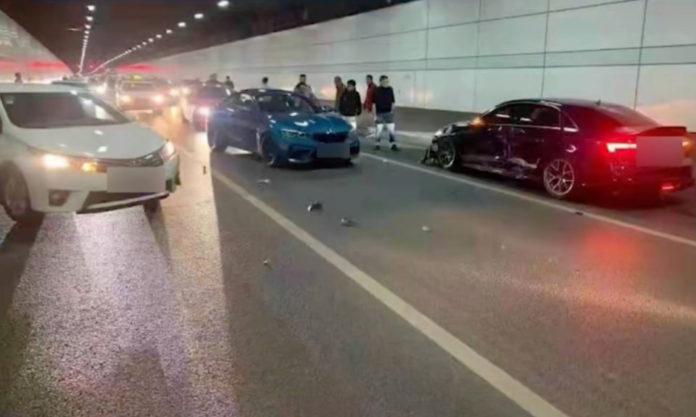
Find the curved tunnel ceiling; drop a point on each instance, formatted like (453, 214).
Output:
(121, 24)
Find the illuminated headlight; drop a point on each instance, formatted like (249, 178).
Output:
(101, 89)
(203, 111)
(125, 98)
(167, 151)
(55, 161)
(174, 92)
(186, 91)
(294, 134)
(60, 162)
(159, 99)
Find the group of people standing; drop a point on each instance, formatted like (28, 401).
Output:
(378, 104)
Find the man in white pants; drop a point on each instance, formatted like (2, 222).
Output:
(384, 107)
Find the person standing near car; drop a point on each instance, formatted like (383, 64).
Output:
(350, 105)
(264, 82)
(340, 89)
(302, 87)
(229, 83)
(18, 78)
(384, 109)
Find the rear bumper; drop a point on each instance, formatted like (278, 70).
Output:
(671, 179)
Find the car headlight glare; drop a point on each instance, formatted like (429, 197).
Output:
(158, 99)
(186, 91)
(174, 92)
(203, 111)
(125, 98)
(51, 161)
(89, 167)
(167, 151)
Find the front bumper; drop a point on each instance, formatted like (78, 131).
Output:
(76, 191)
(307, 151)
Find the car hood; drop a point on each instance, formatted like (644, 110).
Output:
(122, 141)
(310, 123)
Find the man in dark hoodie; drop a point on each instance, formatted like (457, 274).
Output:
(350, 105)
(384, 107)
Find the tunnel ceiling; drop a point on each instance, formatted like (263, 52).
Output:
(121, 24)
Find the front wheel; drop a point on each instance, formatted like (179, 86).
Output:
(270, 154)
(214, 141)
(447, 155)
(560, 179)
(15, 198)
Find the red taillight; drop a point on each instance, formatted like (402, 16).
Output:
(688, 145)
(614, 147)
(667, 187)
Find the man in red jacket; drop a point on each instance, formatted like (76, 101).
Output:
(370, 101)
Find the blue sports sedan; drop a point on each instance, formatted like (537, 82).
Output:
(281, 127)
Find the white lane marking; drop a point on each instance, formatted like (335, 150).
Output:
(524, 397)
(537, 200)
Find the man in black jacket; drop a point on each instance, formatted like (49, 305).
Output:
(349, 104)
(384, 108)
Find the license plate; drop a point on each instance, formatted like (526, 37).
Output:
(135, 180)
(659, 151)
(333, 150)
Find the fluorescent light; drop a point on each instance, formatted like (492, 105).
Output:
(169, 32)
(223, 3)
(182, 24)
(150, 40)
(90, 18)
(198, 16)
(88, 26)
(91, 7)
(159, 36)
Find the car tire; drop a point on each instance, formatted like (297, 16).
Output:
(270, 154)
(214, 142)
(560, 179)
(152, 206)
(15, 198)
(447, 155)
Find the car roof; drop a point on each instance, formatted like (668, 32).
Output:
(35, 88)
(265, 90)
(561, 102)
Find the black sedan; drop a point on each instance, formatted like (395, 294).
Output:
(569, 146)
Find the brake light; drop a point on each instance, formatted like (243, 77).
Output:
(667, 187)
(613, 147)
(688, 145)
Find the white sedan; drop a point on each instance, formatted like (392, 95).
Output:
(65, 150)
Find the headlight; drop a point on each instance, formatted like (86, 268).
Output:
(59, 162)
(294, 134)
(203, 111)
(101, 89)
(186, 91)
(55, 162)
(125, 98)
(174, 92)
(159, 99)
(167, 151)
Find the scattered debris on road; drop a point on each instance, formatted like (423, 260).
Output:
(425, 229)
(346, 222)
(315, 206)
(205, 170)
(264, 181)
(267, 262)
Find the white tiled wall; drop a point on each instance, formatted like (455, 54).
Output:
(467, 55)
(20, 52)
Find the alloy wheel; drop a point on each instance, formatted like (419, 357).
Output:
(559, 178)
(15, 196)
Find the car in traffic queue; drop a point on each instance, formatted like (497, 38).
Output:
(196, 107)
(282, 127)
(570, 146)
(141, 96)
(66, 150)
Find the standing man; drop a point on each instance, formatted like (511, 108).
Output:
(384, 108)
(264, 82)
(369, 101)
(18, 78)
(350, 105)
(340, 89)
(228, 83)
(304, 89)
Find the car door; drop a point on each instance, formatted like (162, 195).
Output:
(486, 145)
(235, 117)
(535, 128)
(249, 120)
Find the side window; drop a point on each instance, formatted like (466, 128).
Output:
(521, 114)
(498, 116)
(569, 124)
(240, 102)
(544, 116)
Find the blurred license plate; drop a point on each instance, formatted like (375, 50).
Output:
(659, 151)
(135, 180)
(333, 150)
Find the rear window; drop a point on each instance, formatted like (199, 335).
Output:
(624, 116)
(53, 110)
(137, 87)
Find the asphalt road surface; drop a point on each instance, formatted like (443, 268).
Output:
(446, 295)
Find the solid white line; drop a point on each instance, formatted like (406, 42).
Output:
(524, 397)
(536, 200)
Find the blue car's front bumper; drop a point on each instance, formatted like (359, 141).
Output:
(303, 150)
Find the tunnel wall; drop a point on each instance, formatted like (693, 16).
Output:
(20, 52)
(467, 55)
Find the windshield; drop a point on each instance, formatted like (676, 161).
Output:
(137, 87)
(279, 102)
(624, 116)
(51, 110)
(212, 92)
